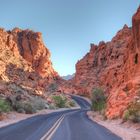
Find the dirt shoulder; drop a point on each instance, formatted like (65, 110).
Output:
(127, 130)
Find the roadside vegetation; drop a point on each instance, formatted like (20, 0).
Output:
(22, 105)
(59, 101)
(31, 104)
(4, 106)
(98, 100)
(62, 101)
(28, 105)
(133, 112)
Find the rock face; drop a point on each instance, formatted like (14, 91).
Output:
(113, 66)
(24, 62)
(30, 46)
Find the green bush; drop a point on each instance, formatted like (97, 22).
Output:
(4, 106)
(52, 106)
(126, 115)
(98, 106)
(72, 104)
(59, 101)
(133, 112)
(98, 99)
(29, 108)
(27, 105)
(69, 103)
(38, 103)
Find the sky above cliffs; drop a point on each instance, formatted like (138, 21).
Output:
(68, 26)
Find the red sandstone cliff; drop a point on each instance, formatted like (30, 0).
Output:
(24, 62)
(114, 66)
(30, 46)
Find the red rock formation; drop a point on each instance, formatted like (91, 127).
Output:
(114, 66)
(24, 61)
(30, 46)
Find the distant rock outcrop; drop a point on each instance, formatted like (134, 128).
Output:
(113, 66)
(68, 77)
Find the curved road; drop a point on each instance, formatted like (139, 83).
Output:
(63, 125)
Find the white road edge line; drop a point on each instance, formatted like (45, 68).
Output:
(52, 130)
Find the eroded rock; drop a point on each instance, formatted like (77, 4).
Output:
(113, 66)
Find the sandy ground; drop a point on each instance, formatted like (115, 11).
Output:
(127, 130)
(14, 117)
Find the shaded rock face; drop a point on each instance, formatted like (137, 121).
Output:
(24, 62)
(113, 66)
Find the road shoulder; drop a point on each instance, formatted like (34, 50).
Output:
(127, 131)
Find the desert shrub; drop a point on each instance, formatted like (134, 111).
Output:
(16, 88)
(59, 101)
(4, 106)
(126, 115)
(27, 105)
(98, 106)
(53, 87)
(52, 106)
(98, 99)
(12, 101)
(38, 103)
(133, 112)
(29, 108)
(71, 103)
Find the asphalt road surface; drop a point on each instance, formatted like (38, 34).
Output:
(63, 125)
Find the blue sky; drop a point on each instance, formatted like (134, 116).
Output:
(68, 26)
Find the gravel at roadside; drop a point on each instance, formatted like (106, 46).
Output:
(127, 130)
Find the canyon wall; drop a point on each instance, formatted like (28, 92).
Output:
(113, 66)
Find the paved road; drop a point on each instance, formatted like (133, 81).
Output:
(63, 125)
